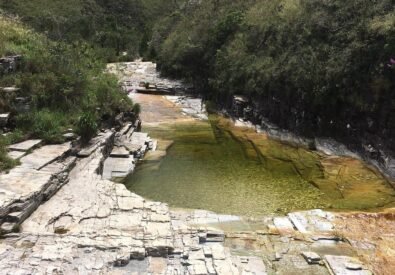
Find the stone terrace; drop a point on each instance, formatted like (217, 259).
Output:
(96, 226)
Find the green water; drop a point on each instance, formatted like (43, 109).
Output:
(207, 167)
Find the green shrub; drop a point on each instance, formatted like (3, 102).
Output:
(6, 163)
(137, 109)
(62, 80)
(44, 124)
(87, 126)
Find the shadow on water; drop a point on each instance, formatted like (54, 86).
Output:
(216, 166)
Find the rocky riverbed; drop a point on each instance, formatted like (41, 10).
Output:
(63, 212)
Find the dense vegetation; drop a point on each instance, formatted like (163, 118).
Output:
(64, 58)
(317, 67)
(117, 29)
(313, 66)
(63, 82)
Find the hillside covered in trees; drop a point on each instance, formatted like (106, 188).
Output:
(316, 67)
(112, 27)
(63, 85)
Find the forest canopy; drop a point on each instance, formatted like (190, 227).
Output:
(313, 66)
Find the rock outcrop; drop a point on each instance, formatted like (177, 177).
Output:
(40, 175)
(95, 226)
(60, 214)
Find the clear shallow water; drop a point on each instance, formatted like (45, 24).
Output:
(214, 166)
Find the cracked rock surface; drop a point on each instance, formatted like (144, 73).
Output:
(96, 226)
(73, 220)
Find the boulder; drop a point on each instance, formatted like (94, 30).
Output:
(4, 119)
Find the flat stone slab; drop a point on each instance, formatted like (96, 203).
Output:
(94, 144)
(90, 226)
(252, 265)
(16, 154)
(312, 221)
(136, 142)
(45, 155)
(117, 168)
(283, 225)
(139, 138)
(19, 184)
(24, 188)
(344, 265)
(25, 145)
(119, 152)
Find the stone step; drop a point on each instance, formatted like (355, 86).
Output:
(25, 187)
(45, 155)
(117, 168)
(16, 154)
(25, 145)
(119, 152)
(95, 143)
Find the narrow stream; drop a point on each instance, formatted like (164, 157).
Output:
(215, 166)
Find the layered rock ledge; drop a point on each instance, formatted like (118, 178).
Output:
(71, 220)
(61, 212)
(95, 226)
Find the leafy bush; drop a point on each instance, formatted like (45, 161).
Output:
(137, 109)
(44, 124)
(6, 163)
(87, 126)
(62, 81)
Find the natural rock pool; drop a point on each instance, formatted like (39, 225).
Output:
(216, 166)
